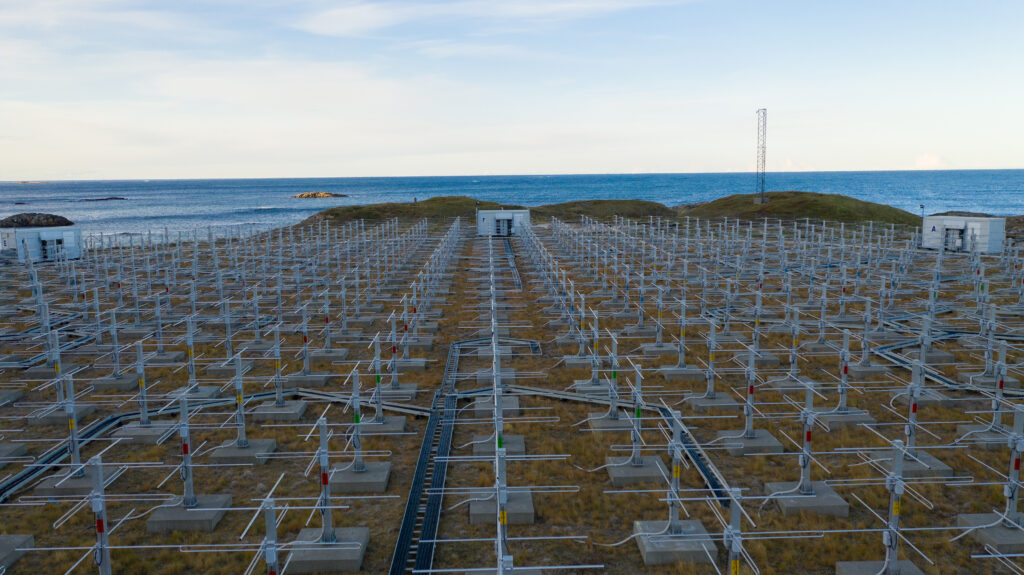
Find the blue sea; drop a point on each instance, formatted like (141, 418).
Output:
(179, 205)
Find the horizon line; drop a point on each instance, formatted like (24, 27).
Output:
(30, 181)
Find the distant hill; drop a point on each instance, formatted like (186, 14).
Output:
(441, 207)
(798, 205)
(783, 205)
(603, 209)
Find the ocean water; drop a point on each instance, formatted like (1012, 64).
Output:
(179, 205)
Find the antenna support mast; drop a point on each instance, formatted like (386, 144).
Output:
(762, 129)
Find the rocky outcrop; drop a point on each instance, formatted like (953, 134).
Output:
(34, 220)
(107, 199)
(319, 195)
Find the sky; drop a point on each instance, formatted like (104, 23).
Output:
(124, 89)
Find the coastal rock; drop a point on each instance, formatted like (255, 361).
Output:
(34, 220)
(107, 199)
(318, 194)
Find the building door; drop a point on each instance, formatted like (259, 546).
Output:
(953, 239)
(503, 227)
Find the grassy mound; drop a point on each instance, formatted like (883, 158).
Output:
(799, 205)
(603, 209)
(441, 207)
(783, 205)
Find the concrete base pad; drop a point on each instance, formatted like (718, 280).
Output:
(870, 370)
(168, 356)
(346, 334)
(824, 501)
(658, 348)
(846, 321)
(46, 371)
(255, 346)
(63, 486)
(123, 382)
(12, 547)
(765, 360)
(483, 408)
(203, 517)
(720, 401)
(694, 545)
(788, 383)
(256, 453)
(146, 434)
(981, 437)
(818, 347)
(404, 391)
(519, 510)
(199, 392)
(316, 557)
(421, 343)
(926, 465)
(675, 373)
(732, 337)
(134, 332)
(9, 396)
(227, 369)
(638, 331)
(485, 377)
(9, 451)
(514, 444)
(361, 320)
(982, 380)
(1003, 539)
(412, 364)
(337, 354)
(58, 417)
(927, 398)
(577, 361)
(588, 387)
(310, 380)
(373, 480)
(390, 424)
(623, 473)
(762, 442)
(290, 411)
(873, 567)
(841, 419)
(600, 421)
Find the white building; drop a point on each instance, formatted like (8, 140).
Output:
(501, 222)
(963, 233)
(41, 244)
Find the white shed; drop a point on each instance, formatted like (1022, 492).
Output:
(964, 233)
(501, 222)
(41, 244)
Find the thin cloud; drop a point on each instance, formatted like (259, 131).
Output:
(361, 18)
(455, 49)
